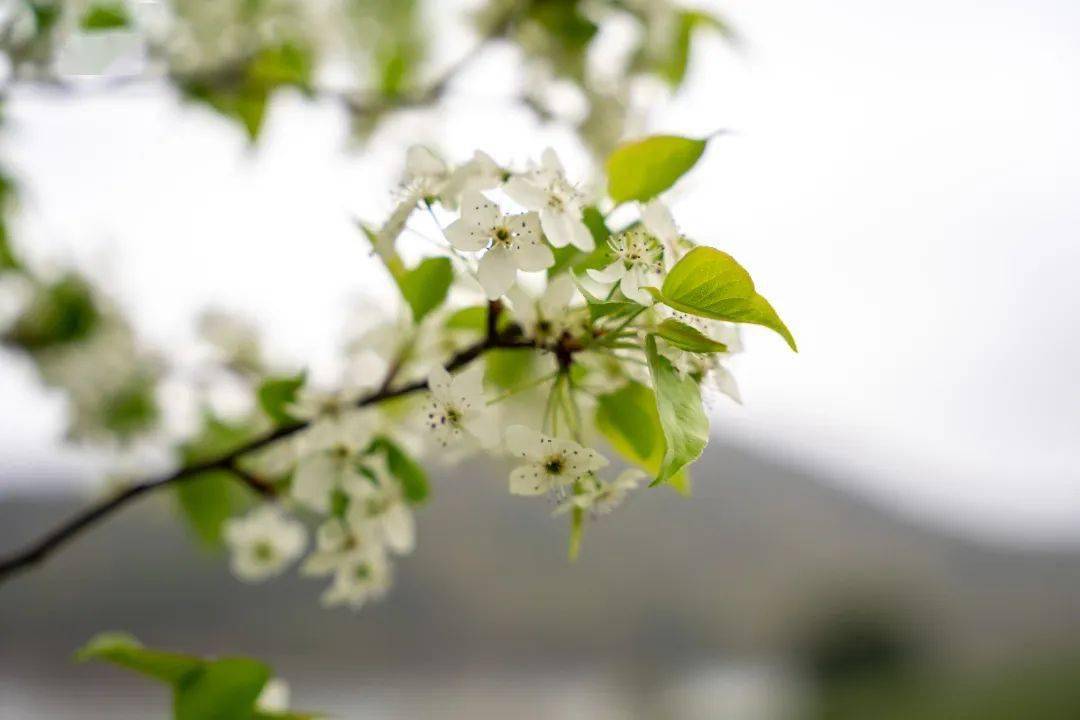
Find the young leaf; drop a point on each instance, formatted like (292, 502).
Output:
(673, 67)
(629, 421)
(124, 650)
(688, 338)
(709, 283)
(678, 405)
(469, 318)
(223, 689)
(207, 501)
(642, 170)
(105, 16)
(276, 394)
(413, 479)
(425, 286)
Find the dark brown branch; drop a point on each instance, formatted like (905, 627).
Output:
(66, 532)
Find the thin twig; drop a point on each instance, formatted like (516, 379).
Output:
(67, 531)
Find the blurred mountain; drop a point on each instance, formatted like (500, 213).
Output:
(755, 565)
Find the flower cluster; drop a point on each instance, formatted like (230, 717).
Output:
(581, 334)
(540, 333)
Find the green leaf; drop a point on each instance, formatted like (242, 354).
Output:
(678, 405)
(207, 500)
(629, 421)
(469, 318)
(688, 338)
(643, 169)
(425, 286)
(508, 368)
(124, 650)
(60, 313)
(223, 689)
(709, 283)
(216, 439)
(105, 16)
(413, 479)
(604, 308)
(277, 394)
(673, 67)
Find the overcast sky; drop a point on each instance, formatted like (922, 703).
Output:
(904, 185)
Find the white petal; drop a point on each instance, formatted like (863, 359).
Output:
(478, 211)
(629, 479)
(631, 287)
(550, 162)
(556, 226)
(612, 273)
(657, 219)
(420, 162)
(484, 426)
(533, 256)
(725, 382)
(497, 272)
(315, 477)
(464, 236)
(525, 442)
(524, 306)
(400, 529)
(526, 193)
(557, 295)
(528, 480)
(439, 382)
(580, 237)
(467, 387)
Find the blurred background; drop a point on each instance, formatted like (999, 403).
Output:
(888, 528)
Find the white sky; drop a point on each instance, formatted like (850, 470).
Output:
(904, 186)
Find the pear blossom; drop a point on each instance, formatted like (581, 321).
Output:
(603, 496)
(330, 448)
(335, 543)
(457, 411)
(547, 191)
(428, 176)
(377, 509)
(274, 697)
(657, 219)
(638, 263)
(513, 242)
(710, 367)
(550, 463)
(263, 543)
(547, 317)
(365, 575)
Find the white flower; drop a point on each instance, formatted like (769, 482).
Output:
(657, 219)
(427, 176)
(547, 317)
(547, 191)
(377, 510)
(263, 543)
(457, 409)
(365, 576)
(638, 262)
(513, 242)
(551, 463)
(709, 366)
(335, 543)
(274, 697)
(329, 450)
(601, 496)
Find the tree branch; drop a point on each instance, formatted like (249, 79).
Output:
(50, 543)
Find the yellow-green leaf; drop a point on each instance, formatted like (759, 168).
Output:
(643, 169)
(709, 283)
(688, 338)
(683, 419)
